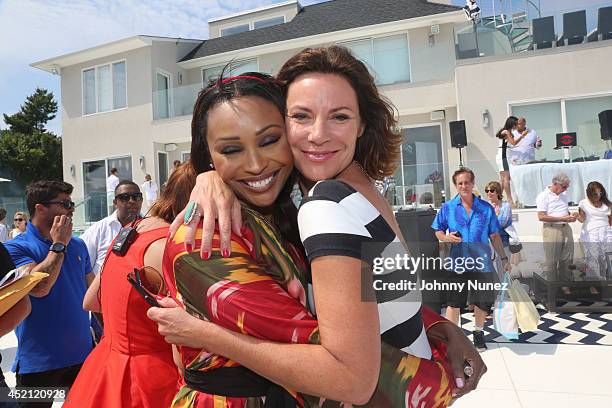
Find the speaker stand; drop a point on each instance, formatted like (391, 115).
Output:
(460, 158)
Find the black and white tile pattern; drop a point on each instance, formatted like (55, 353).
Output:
(555, 328)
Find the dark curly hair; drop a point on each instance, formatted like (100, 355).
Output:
(378, 149)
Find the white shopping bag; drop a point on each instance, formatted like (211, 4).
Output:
(504, 315)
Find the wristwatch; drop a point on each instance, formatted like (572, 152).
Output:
(58, 248)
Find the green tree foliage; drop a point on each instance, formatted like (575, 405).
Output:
(33, 115)
(28, 152)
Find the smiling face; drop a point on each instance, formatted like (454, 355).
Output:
(464, 185)
(249, 149)
(323, 124)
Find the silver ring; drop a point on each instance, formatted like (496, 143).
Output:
(468, 371)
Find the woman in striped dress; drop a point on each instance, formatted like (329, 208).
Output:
(340, 132)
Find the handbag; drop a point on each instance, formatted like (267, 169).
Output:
(514, 241)
(505, 320)
(527, 315)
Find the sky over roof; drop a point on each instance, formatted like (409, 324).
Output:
(34, 30)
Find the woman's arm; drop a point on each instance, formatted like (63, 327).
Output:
(91, 300)
(581, 215)
(349, 336)
(511, 138)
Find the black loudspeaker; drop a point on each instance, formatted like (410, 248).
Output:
(422, 242)
(605, 121)
(457, 133)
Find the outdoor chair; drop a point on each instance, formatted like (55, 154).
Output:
(543, 32)
(574, 28)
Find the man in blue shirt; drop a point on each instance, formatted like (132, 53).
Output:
(54, 340)
(470, 223)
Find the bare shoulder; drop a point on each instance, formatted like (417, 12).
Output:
(154, 254)
(151, 223)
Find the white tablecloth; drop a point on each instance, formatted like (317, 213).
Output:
(529, 180)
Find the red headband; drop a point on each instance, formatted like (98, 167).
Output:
(233, 78)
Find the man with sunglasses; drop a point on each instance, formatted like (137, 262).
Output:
(99, 236)
(54, 340)
(553, 211)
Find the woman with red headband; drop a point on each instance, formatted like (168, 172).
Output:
(365, 352)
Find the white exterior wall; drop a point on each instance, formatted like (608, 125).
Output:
(495, 83)
(463, 91)
(107, 134)
(287, 11)
(432, 61)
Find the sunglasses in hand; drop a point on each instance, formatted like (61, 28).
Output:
(125, 197)
(149, 283)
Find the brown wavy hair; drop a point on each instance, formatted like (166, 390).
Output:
(175, 194)
(378, 149)
(494, 185)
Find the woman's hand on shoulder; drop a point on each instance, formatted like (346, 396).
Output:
(214, 200)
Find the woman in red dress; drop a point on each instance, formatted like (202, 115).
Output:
(132, 366)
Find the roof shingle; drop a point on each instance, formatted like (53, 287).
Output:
(322, 18)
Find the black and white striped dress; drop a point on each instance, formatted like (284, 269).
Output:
(335, 219)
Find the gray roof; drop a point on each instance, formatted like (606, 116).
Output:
(322, 18)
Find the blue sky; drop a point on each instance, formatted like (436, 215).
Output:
(34, 30)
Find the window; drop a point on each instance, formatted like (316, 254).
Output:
(104, 88)
(235, 68)
(545, 118)
(387, 57)
(420, 178)
(268, 22)
(95, 173)
(581, 116)
(234, 30)
(162, 96)
(94, 181)
(162, 167)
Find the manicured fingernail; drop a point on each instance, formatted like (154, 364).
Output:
(188, 247)
(205, 255)
(459, 382)
(225, 253)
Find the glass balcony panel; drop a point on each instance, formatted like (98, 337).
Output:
(508, 30)
(181, 103)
